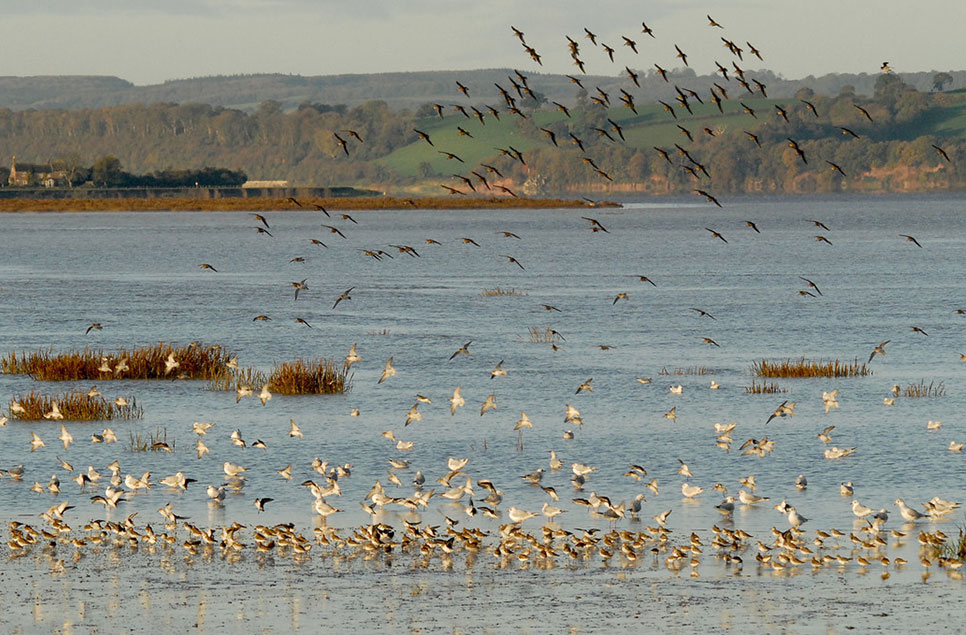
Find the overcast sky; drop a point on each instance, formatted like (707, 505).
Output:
(149, 41)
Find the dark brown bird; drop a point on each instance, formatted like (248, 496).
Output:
(823, 239)
(561, 108)
(668, 108)
(818, 223)
(863, 111)
(663, 154)
(353, 133)
(911, 240)
(941, 152)
(609, 50)
(422, 135)
(754, 51)
(782, 112)
(207, 266)
(595, 224)
(551, 135)
(835, 167)
(463, 89)
(264, 222)
(707, 197)
(299, 320)
(753, 137)
(811, 284)
(334, 230)
(646, 30)
(262, 230)
(748, 109)
(686, 133)
(344, 296)
(916, 329)
(634, 76)
(512, 260)
(463, 132)
(847, 131)
(809, 105)
(684, 58)
(661, 72)
(341, 143)
(450, 155)
(716, 235)
(748, 223)
(712, 23)
(708, 340)
(629, 42)
(701, 312)
(452, 190)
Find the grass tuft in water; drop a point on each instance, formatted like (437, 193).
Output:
(195, 361)
(545, 335)
(74, 406)
(690, 370)
(762, 389)
(923, 390)
(809, 368)
(300, 377)
(495, 291)
(156, 441)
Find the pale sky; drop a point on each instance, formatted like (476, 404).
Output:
(149, 41)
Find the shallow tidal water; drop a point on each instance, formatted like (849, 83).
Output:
(139, 275)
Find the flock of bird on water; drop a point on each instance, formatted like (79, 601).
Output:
(521, 536)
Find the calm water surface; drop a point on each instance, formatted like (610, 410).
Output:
(139, 275)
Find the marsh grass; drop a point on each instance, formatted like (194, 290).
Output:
(809, 368)
(498, 291)
(544, 335)
(195, 362)
(75, 406)
(923, 390)
(762, 389)
(156, 441)
(955, 546)
(299, 377)
(690, 370)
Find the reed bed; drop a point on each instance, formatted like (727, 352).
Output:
(955, 547)
(690, 370)
(498, 291)
(923, 390)
(300, 377)
(195, 361)
(74, 406)
(156, 441)
(544, 335)
(763, 389)
(809, 368)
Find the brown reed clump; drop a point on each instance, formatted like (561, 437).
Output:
(923, 390)
(690, 370)
(809, 368)
(318, 377)
(195, 361)
(544, 335)
(498, 291)
(74, 406)
(763, 389)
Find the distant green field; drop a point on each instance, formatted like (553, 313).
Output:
(652, 126)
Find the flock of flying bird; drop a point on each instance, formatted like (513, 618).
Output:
(458, 492)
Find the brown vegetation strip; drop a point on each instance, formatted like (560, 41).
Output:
(194, 362)
(283, 204)
(809, 368)
(73, 406)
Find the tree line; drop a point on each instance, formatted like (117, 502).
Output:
(302, 145)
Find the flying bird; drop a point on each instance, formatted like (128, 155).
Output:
(344, 296)
(911, 240)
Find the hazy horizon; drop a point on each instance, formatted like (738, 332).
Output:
(149, 44)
